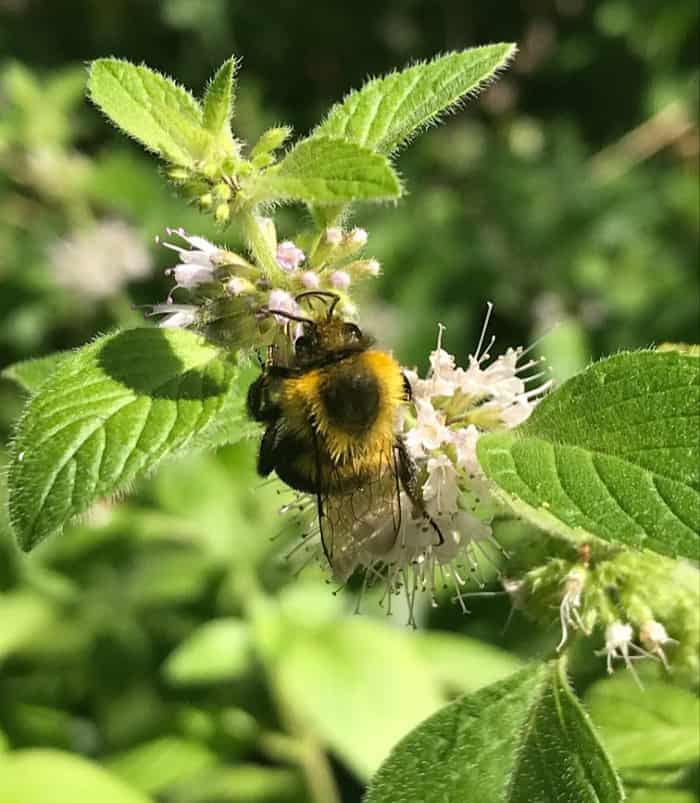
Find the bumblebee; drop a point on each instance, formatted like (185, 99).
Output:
(330, 415)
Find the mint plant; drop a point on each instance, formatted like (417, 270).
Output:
(605, 465)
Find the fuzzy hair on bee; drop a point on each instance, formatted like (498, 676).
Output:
(330, 414)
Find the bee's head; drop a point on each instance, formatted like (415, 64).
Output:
(327, 337)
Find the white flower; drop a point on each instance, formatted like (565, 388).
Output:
(570, 607)
(289, 257)
(429, 431)
(98, 261)
(197, 262)
(238, 286)
(334, 236)
(372, 267)
(177, 316)
(654, 637)
(340, 279)
(619, 644)
(358, 237)
(200, 252)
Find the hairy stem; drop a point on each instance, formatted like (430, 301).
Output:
(259, 244)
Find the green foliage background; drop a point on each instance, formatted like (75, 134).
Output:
(567, 193)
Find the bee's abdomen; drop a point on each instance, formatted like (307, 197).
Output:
(351, 399)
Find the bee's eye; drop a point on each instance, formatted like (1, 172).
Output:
(302, 345)
(352, 332)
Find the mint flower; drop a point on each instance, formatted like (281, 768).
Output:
(619, 644)
(177, 316)
(654, 637)
(289, 257)
(97, 262)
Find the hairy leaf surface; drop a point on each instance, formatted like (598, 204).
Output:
(388, 111)
(614, 452)
(111, 412)
(151, 108)
(326, 171)
(525, 739)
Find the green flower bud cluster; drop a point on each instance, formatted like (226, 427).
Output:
(217, 185)
(645, 604)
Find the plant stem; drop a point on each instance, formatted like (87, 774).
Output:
(253, 227)
(297, 745)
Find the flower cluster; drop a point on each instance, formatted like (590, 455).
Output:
(634, 599)
(227, 292)
(450, 410)
(98, 261)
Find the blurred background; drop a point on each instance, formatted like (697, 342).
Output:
(164, 640)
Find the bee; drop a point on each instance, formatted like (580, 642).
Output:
(330, 414)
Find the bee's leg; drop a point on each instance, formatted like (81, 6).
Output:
(397, 480)
(267, 454)
(407, 389)
(255, 403)
(408, 475)
(319, 498)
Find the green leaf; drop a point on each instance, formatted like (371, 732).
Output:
(657, 728)
(243, 783)
(357, 684)
(216, 652)
(525, 739)
(614, 452)
(151, 108)
(23, 616)
(389, 111)
(218, 100)
(39, 776)
(29, 374)
(158, 764)
(661, 796)
(328, 171)
(462, 664)
(111, 412)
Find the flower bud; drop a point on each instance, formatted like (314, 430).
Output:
(289, 257)
(334, 236)
(178, 174)
(206, 200)
(340, 279)
(222, 192)
(238, 286)
(310, 279)
(222, 213)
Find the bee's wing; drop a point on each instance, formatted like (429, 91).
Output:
(357, 525)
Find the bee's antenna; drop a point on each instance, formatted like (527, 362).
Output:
(288, 315)
(321, 294)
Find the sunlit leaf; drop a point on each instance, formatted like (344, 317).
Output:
(614, 452)
(40, 776)
(23, 615)
(359, 685)
(218, 100)
(463, 664)
(151, 108)
(218, 651)
(154, 766)
(657, 728)
(389, 111)
(521, 740)
(29, 374)
(329, 171)
(111, 412)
